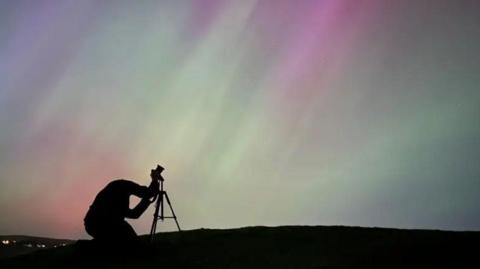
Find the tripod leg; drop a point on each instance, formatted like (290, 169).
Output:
(161, 205)
(155, 219)
(173, 213)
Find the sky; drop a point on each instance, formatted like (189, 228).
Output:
(263, 112)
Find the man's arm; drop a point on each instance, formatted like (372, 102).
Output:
(146, 193)
(143, 191)
(138, 210)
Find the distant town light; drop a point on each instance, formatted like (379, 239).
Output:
(5, 242)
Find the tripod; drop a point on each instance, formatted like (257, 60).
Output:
(159, 210)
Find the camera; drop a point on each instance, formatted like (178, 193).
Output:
(157, 173)
(159, 169)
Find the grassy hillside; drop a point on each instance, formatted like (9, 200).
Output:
(274, 247)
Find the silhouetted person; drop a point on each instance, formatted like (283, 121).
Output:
(105, 220)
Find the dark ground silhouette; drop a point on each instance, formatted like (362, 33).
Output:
(278, 247)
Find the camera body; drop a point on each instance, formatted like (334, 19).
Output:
(157, 173)
(159, 169)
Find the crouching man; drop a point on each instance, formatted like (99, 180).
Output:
(105, 219)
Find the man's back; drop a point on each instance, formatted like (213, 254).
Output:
(112, 203)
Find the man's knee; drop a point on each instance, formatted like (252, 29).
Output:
(113, 231)
(127, 231)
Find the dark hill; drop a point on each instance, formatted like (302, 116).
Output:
(13, 245)
(275, 247)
